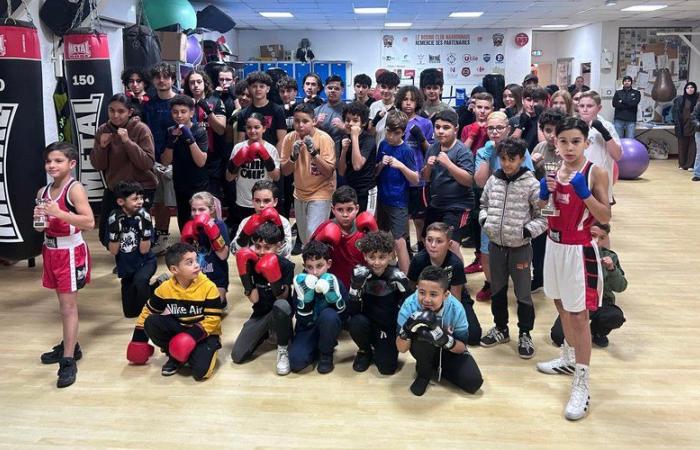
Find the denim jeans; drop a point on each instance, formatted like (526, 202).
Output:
(696, 170)
(624, 128)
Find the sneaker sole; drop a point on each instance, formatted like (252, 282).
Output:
(283, 373)
(167, 373)
(557, 372)
(573, 417)
(504, 341)
(65, 384)
(526, 356)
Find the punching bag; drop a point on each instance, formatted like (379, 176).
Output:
(89, 78)
(495, 84)
(21, 138)
(664, 90)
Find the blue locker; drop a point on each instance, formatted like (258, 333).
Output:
(341, 69)
(249, 68)
(300, 71)
(287, 67)
(323, 70)
(267, 66)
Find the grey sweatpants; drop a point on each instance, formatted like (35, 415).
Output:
(513, 262)
(256, 329)
(309, 216)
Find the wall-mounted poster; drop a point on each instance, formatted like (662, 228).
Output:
(640, 49)
(464, 56)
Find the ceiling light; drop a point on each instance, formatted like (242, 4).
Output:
(398, 24)
(466, 14)
(610, 2)
(277, 15)
(555, 26)
(644, 8)
(371, 10)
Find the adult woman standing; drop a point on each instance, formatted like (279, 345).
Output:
(682, 112)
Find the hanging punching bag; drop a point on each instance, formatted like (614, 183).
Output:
(21, 138)
(89, 78)
(664, 90)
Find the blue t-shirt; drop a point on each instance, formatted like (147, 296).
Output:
(156, 113)
(494, 162)
(392, 185)
(212, 266)
(426, 127)
(130, 259)
(451, 315)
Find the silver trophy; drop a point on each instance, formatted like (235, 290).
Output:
(40, 221)
(550, 210)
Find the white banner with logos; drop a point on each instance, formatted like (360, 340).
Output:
(464, 56)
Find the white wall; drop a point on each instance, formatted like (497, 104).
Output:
(517, 59)
(583, 45)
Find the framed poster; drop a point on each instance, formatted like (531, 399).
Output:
(640, 49)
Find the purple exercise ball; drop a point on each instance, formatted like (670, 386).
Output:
(635, 159)
(194, 50)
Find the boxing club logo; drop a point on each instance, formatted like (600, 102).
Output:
(87, 113)
(80, 50)
(9, 231)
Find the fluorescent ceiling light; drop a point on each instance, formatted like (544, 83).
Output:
(644, 8)
(277, 15)
(466, 14)
(398, 24)
(610, 2)
(554, 26)
(371, 10)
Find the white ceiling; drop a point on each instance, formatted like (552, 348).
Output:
(433, 14)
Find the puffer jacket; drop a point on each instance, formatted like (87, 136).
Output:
(509, 205)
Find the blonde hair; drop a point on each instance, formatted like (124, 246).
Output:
(593, 95)
(212, 203)
(497, 115)
(568, 101)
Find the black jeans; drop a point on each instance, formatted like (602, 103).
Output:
(603, 321)
(474, 326)
(459, 369)
(136, 289)
(371, 338)
(539, 244)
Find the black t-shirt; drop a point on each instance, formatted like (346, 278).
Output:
(266, 298)
(466, 117)
(130, 259)
(361, 180)
(274, 120)
(452, 264)
(217, 142)
(530, 133)
(187, 176)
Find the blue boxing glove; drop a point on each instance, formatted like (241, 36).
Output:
(580, 186)
(544, 190)
(304, 285)
(187, 135)
(329, 287)
(485, 154)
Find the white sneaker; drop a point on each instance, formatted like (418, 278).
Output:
(565, 364)
(283, 361)
(577, 408)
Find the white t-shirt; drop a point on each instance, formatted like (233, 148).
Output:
(597, 153)
(286, 248)
(380, 129)
(250, 173)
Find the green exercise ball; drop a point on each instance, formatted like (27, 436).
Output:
(162, 13)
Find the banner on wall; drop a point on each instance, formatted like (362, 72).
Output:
(89, 79)
(464, 56)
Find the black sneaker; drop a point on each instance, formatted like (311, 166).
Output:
(419, 386)
(67, 370)
(170, 367)
(600, 340)
(495, 336)
(56, 354)
(526, 349)
(325, 363)
(363, 359)
(297, 248)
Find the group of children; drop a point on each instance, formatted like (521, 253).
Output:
(358, 174)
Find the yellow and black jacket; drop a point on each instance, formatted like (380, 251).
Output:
(198, 306)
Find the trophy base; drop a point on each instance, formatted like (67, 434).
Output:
(550, 212)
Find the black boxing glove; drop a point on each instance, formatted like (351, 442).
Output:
(600, 128)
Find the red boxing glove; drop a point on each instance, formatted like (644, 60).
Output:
(249, 229)
(181, 346)
(329, 233)
(206, 224)
(242, 156)
(270, 214)
(139, 350)
(269, 268)
(366, 222)
(189, 233)
(261, 152)
(245, 262)
(145, 99)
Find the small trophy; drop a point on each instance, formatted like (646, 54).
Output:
(40, 221)
(550, 210)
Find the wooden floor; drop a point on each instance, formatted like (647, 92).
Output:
(645, 388)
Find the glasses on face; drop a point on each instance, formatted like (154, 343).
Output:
(498, 129)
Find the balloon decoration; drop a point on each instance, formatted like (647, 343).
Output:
(194, 50)
(21, 138)
(635, 159)
(163, 13)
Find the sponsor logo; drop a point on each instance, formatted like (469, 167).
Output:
(481, 69)
(451, 58)
(87, 113)
(499, 58)
(466, 71)
(388, 40)
(79, 51)
(521, 39)
(432, 59)
(421, 58)
(486, 57)
(3, 49)
(9, 231)
(497, 39)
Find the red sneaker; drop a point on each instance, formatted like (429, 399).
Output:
(474, 267)
(484, 295)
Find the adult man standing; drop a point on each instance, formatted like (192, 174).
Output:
(578, 86)
(625, 103)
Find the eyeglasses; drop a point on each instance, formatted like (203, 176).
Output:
(500, 129)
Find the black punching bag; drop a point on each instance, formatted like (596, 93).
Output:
(21, 138)
(495, 84)
(89, 78)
